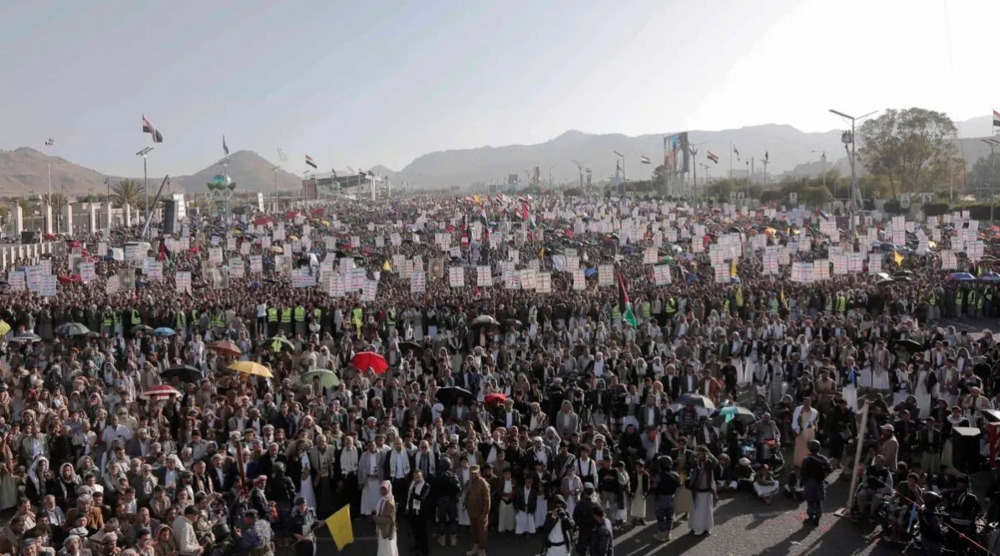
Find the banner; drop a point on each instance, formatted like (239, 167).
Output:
(182, 281)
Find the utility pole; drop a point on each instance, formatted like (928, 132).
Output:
(694, 170)
(579, 167)
(848, 139)
(144, 153)
(993, 176)
(621, 156)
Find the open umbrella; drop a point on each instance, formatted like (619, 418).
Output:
(165, 331)
(733, 412)
(961, 277)
(226, 348)
(497, 398)
(406, 347)
(251, 368)
(277, 344)
(159, 392)
(449, 395)
(485, 320)
(907, 346)
(327, 378)
(71, 329)
(697, 399)
(140, 328)
(369, 359)
(26, 338)
(184, 373)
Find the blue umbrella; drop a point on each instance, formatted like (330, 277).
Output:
(962, 277)
(164, 331)
(989, 277)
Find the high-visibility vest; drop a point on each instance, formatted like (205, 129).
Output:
(109, 318)
(272, 314)
(989, 294)
(118, 317)
(646, 310)
(318, 315)
(195, 316)
(135, 318)
(616, 313)
(180, 320)
(286, 315)
(932, 299)
(725, 305)
(220, 318)
(390, 317)
(841, 302)
(300, 314)
(829, 304)
(958, 298)
(671, 306)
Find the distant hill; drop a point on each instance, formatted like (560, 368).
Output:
(25, 171)
(784, 146)
(249, 170)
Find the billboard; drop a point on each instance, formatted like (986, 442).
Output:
(675, 153)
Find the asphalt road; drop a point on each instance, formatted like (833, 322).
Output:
(743, 526)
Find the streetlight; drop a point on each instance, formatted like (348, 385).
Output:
(992, 143)
(144, 153)
(621, 156)
(850, 139)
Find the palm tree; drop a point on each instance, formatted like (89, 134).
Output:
(127, 191)
(57, 200)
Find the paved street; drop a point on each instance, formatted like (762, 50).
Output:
(743, 526)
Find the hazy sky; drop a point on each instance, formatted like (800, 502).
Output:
(358, 83)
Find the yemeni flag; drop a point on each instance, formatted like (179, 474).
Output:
(148, 128)
(996, 119)
(310, 162)
(644, 159)
(628, 315)
(713, 157)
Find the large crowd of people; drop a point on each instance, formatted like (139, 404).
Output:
(555, 368)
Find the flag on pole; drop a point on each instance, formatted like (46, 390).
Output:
(282, 156)
(896, 256)
(644, 159)
(628, 315)
(996, 119)
(148, 128)
(225, 147)
(733, 269)
(49, 142)
(340, 527)
(737, 152)
(713, 157)
(766, 156)
(309, 161)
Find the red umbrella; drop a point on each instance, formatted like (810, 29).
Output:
(497, 398)
(367, 359)
(72, 278)
(159, 392)
(262, 221)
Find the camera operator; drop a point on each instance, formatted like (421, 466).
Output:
(931, 530)
(664, 486)
(963, 509)
(558, 529)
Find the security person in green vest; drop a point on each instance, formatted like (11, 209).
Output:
(670, 308)
(134, 318)
(299, 315)
(646, 310)
(272, 322)
(958, 302)
(286, 320)
(317, 317)
(616, 314)
(180, 322)
(979, 305)
(108, 321)
(390, 319)
(933, 307)
(118, 321)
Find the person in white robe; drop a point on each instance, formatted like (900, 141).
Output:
(525, 504)
(505, 513)
(385, 521)
(369, 475)
(703, 485)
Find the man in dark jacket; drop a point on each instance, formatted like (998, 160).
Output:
(584, 519)
(664, 486)
(602, 539)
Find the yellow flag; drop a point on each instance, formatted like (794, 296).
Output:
(898, 258)
(340, 527)
(387, 266)
(733, 271)
(4, 328)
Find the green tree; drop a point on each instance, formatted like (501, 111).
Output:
(57, 200)
(985, 173)
(127, 191)
(910, 147)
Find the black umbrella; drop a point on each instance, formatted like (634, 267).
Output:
(140, 328)
(450, 394)
(406, 347)
(184, 373)
(513, 323)
(907, 346)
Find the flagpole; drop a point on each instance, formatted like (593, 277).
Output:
(730, 160)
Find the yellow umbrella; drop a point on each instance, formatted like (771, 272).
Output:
(251, 368)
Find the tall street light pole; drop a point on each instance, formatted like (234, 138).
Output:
(622, 157)
(144, 153)
(854, 174)
(993, 179)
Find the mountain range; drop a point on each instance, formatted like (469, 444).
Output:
(561, 160)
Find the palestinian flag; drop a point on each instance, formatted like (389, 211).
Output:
(628, 315)
(644, 159)
(526, 215)
(713, 157)
(310, 162)
(148, 128)
(996, 119)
